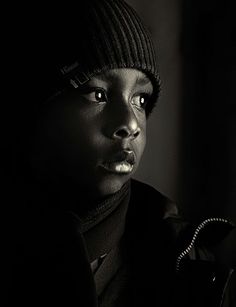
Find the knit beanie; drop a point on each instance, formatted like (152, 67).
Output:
(73, 44)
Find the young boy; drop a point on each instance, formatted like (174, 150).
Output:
(88, 234)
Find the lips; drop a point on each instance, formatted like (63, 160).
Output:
(121, 163)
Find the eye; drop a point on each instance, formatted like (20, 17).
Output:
(141, 100)
(95, 95)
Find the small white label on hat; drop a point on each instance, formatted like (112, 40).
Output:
(74, 83)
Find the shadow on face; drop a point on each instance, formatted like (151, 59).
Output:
(93, 137)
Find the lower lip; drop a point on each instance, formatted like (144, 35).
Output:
(118, 167)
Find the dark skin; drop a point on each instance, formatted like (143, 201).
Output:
(94, 136)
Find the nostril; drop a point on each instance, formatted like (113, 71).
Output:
(121, 133)
(124, 132)
(136, 133)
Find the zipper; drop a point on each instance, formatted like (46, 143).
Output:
(206, 222)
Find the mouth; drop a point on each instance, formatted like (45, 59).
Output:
(122, 163)
(122, 167)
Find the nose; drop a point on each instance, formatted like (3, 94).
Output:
(126, 131)
(125, 124)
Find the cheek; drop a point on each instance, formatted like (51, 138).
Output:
(82, 134)
(68, 126)
(143, 131)
(140, 142)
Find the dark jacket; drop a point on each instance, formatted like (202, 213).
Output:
(168, 262)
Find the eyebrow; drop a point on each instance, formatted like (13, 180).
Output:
(142, 80)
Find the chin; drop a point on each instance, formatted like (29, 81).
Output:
(110, 186)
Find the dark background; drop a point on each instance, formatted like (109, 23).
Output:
(191, 149)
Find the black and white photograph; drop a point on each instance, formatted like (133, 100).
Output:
(118, 153)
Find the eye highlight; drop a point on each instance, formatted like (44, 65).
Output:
(141, 100)
(97, 95)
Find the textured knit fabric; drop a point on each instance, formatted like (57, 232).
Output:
(104, 227)
(74, 44)
(45, 261)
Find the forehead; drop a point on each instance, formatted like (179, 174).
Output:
(128, 76)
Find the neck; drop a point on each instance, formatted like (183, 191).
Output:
(72, 197)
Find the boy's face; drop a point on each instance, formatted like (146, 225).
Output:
(94, 136)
